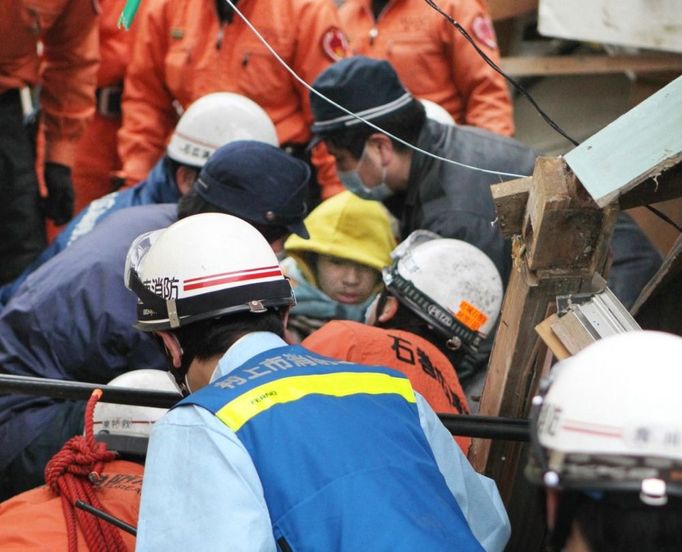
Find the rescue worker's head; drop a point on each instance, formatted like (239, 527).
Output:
(210, 122)
(606, 444)
(256, 182)
(370, 164)
(350, 243)
(126, 428)
(202, 283)
(446, 290)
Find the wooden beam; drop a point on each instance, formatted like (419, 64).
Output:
(505, 9)
(668, 185)
(551, 259)
(510, 200)
(544, 66)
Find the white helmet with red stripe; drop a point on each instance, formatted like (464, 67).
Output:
(200, 267)
(215, 120)
(610, 418)
(124, 427)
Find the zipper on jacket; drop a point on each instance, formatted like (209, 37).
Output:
(284, 545)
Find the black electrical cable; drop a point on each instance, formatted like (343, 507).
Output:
(106, 517)
(492, 64)
(665, 217)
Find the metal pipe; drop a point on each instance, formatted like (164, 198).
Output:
(484, 427)
(90, 509)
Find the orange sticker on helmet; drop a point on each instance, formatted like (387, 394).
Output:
(470, 316)
(335, 44)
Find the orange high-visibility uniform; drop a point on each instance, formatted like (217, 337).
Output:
(430, 372)
(67, 69)
(34, 520)
(433, 60)
(183, 51)
(96, 153)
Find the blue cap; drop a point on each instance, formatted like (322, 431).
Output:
(257, 182)
(368, 87)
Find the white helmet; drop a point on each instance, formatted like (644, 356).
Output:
(217, 119)
(451, 284)
(201, 267)
(126, 428)
(437, 113)
(610, 418)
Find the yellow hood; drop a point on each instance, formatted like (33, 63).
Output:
(347, 227)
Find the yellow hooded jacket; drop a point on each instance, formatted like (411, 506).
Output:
(347, 227)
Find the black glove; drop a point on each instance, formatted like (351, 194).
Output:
(58, 205)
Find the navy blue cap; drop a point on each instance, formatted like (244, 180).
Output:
(257, 182)
(365, 86)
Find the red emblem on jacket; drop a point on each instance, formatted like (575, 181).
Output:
(335, 44)
(484, 31)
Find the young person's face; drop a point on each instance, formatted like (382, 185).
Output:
(345, 281)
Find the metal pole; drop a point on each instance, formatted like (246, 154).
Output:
(90, 509)
(485, 427)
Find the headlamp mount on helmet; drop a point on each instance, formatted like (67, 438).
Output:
(430, 311)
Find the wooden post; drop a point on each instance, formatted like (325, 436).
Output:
(563, 241)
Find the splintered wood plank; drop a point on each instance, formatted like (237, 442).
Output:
(643, 143)
(510, 200)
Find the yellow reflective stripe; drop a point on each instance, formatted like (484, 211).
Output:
(240, 410)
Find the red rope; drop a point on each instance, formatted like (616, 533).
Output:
(70, 473)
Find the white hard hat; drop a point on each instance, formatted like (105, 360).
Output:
(126, 428)
(437, 113)
(200, 267)
(215, 120)
(610, 418)
(451, 284)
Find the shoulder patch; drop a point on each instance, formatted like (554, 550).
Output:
(485, 32)
(335, 44)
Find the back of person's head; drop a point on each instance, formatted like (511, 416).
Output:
(215, 120)
(213, 270)
(256, 182)
(126, 428)
(370, 88)
(607, 444)
(449, 291)
(345, 227)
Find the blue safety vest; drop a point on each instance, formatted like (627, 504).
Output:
(340, 452)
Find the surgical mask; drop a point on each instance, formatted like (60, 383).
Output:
(353, 183)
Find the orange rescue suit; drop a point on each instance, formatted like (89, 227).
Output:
(183, 51)
(433, 60)
(96, 153)
(34, 520)
(67, 69)
(430, 372)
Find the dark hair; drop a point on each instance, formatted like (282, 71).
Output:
(406, 125)
(207, 339)
(620, 522)
(193, 204)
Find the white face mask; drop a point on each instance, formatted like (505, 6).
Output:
(353, 183)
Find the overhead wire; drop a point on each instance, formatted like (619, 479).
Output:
(497, 68)
(349, 112)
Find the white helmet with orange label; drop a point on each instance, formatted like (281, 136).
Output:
(449, 283)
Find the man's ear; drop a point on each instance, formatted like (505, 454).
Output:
(173, 348)
(384, 144)
(284, 314)
(389, 309)
(184, 178)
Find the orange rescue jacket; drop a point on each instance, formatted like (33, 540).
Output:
(182, 51)
(430, 372)
(34, 520)
(433, 60)
(67, 30)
